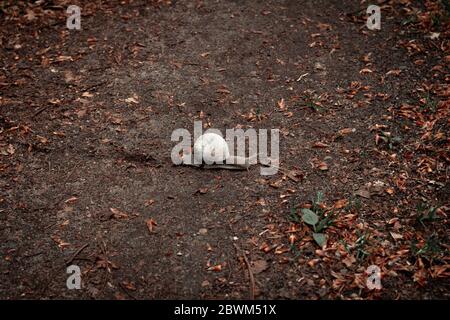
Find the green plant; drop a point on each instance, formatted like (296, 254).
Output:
(358, 247)
(311, 102)
(293, 216)
(360, 243)
(319, 219)
(429, 250)
(389, 139)
(410, 20)
(297, 253)
(446, 5)
(430, 104)
(435, 21)
(426, 214)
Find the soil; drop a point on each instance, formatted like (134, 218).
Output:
(87, 179)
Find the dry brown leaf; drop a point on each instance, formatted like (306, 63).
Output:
(129, 285)
(340, 203)
(365, 70)
(71, 200)
(396, 236)
(363, 192)
(390, 191)
(323, 166)
(258, 266)
(151, 224)
(281, 104)
(133, 99)
(216, 268)
(202, 190)
(64, 58)
(346, 131)
(320, 145)
(224, 91)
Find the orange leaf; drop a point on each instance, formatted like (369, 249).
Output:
(320, 145)
(281, 104)
(340, 203)
(323, 166)
(151, 224)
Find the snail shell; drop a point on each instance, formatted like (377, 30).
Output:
(211, 148)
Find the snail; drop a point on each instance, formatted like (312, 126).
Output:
(212, 149)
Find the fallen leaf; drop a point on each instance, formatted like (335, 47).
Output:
(276, 184)
(395, 72)
(320, 145)
(313, 262)
(30, 15)
(295, 175)
(64, 58)
(320, 238)
(420, 277)
(68, 76)
(346, 131)
(61, 243)
(117, 214)
(129, 285)
(71, 200)
(216, 268)
(365, 70)
(323, 166)
(224, 91)
(434, 35)
(340, 203)
(281, 104)
(202, 190)
(349, 260)
(10, 149)
(319, 66)
(151, 224)
(132, 100)
(390, 191)
(363, 193)
(81, 113)
(396, 236)
(258, 266)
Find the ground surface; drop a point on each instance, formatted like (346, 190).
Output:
(85, 124)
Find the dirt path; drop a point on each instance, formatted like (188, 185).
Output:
(86, 118)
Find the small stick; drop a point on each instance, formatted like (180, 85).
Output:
(77, 253)
(95, 85)
(250, 273)
(302, 76)
(39, 111)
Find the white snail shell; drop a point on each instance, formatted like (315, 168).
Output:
(211, 148)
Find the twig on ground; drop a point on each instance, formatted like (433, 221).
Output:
(77, 253)
(39, 111)
(250, 273)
